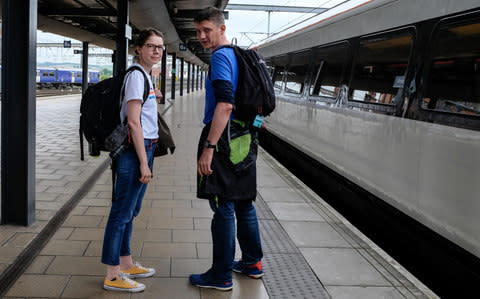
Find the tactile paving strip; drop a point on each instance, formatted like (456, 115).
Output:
(290, 276)
(263, 212)
(275, 239)
(287, 273)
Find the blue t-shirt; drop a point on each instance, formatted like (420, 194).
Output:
(222, 83)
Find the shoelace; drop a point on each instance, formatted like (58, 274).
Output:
(138, 265)
(126, 279)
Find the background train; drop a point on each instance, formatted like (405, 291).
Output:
(58, 78)
(62, 78)
(385, 97)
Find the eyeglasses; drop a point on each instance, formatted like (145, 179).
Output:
(151, 47)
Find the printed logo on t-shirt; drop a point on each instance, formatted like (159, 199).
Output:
(151, 95)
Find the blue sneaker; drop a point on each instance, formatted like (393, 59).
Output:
(201, 281)
(252, 271)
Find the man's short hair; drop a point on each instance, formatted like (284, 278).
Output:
(212, 14)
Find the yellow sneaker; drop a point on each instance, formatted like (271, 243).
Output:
(138, 270)
(122, 283)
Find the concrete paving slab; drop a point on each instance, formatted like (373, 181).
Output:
(40, 264)
(63, 233)
(204, 250)
(177, 203)
(87, 234)
(294, 212)
(313, 234)
(280, 194)
(170, 223)
(202, 223)
(95, 248)
(153, 235)
(162, 266)
(342, 266)
(168, 288)
(83, 221)
(65, 247)
(32, 285)
(185, 250)
(8, 254)
(188, 236)
(76, 265)
(353, 292)
(96, 211)
(89, 287)
(19, 240)
(192, 212)
(185, 267)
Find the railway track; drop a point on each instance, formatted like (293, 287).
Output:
(41, 93)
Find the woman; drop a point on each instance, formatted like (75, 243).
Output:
(134, 168)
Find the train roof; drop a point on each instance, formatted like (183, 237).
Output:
(357, 18)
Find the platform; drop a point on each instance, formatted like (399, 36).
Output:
(310, 251)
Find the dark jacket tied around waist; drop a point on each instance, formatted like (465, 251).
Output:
(234, 164)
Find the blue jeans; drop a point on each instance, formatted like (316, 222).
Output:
(223, 235)
(129, 192)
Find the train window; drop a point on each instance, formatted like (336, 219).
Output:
(270, 70)
(51, 74)
(453, 83)
(278, 77)
(328, 73)
(295, 78)
(45, 74)
(298, 67)
(380, 69)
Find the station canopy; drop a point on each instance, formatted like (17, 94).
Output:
(95, 21)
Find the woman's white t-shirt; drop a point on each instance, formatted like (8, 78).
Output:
(134, 88)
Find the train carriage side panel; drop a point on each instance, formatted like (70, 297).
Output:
(405, 162)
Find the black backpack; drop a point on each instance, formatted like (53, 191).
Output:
(100, 110)
(255, 94)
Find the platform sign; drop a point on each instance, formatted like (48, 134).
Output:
(67, 43)
(182, 47)
(399, 82)
(128, 31)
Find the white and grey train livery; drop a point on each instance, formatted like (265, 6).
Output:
(387, 95)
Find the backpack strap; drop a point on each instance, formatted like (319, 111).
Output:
(146, 89)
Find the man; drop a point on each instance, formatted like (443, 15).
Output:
(229, 187)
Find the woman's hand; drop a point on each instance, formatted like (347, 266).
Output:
(145, 173)
(158, 95)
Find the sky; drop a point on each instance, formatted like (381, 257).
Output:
(249, 27)
(240, 22)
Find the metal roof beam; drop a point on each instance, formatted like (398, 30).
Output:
(275, 8)
(79, 12)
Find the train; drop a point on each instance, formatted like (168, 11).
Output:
(59, 78)
(386, 95)
(49, 77)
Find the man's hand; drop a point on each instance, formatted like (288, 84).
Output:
(205, 162)
(158, 95)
